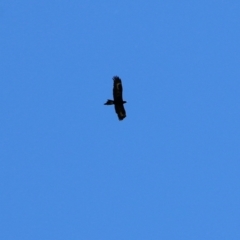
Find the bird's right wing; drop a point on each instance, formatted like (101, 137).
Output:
(117, 89)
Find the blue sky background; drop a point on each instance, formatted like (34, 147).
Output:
(70, 170)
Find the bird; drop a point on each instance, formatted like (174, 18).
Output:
(117, 98)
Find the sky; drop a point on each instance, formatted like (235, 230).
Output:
(69, 169)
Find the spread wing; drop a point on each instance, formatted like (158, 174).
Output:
(119, 108)
(117, 89)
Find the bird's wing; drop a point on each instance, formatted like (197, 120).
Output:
(117, 89)
(119, 108)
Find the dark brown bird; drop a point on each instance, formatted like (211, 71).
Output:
(117, 98)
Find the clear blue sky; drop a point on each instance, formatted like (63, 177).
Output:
(69, 169)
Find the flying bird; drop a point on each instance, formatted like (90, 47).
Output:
(117, 98)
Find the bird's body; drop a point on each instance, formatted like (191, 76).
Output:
(117, 98)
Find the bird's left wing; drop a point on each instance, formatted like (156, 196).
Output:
(119, 108)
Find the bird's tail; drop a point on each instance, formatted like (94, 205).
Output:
(109, 102)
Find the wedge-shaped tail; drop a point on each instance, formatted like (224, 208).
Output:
(109, 102)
